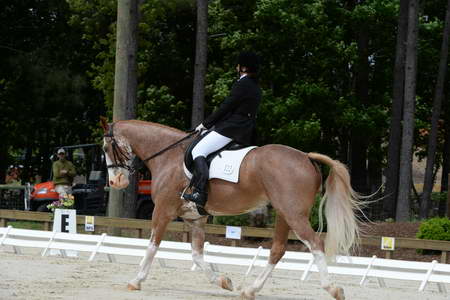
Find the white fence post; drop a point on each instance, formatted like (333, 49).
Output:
(250, 267)
(427, 276)
(8, 229)
(363, 279)
(308, 268)
(50, 241)
(100, 242)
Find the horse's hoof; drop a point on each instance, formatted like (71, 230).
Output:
(132, 287)
(225, 283)
(248, 295)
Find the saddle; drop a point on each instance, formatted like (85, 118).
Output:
(189, 161)
(223, 164)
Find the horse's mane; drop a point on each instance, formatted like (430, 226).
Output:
(152, 124)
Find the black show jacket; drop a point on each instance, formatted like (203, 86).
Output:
(236, 116)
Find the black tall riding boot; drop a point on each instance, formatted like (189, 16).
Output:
(200, 192)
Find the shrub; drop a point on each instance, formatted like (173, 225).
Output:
(314, 216)
(239, 220)
(435, 229)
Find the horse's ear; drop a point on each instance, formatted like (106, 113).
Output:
(104, 123)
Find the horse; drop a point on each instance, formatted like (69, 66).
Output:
(286, 178)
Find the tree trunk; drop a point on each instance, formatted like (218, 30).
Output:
(403, 202)
(359, 139)
(432, 137)
(375, 179)
(395, 131)
(359, 173)
(122, 203)
(445, 164)
(3, 162)
(201, 54)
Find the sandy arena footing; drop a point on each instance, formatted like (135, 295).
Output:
(30, 276)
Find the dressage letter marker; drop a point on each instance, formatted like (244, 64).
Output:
(233, 232)
(65, 221)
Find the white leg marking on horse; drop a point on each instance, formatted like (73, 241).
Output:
(320, 260)
(249, 292)
(145, 266)
(321, 263)
(205, 267)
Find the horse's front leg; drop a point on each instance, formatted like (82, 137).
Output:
(198, 240)
(159, 225)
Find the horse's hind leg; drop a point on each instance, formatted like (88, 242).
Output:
(276, 253)
(159, 225)
(198, 240)
(306, 234)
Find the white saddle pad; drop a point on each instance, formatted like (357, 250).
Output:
(226, 166)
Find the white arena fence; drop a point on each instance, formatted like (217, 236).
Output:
(96, 245)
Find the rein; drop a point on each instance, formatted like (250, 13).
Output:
(120, 157)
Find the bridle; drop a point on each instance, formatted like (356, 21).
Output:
(120, 157)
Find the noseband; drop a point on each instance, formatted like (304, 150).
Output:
(120, 157)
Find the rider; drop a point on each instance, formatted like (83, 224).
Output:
(234, 120)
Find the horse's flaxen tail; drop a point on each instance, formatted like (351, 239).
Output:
(341, 203)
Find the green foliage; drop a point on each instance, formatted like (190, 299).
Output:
(158, 105)
(439, 196)
(58, 58)
(166, 42)
(239, 220)
(314, 216)
(45, 97)
(308, 68)
(435, 229)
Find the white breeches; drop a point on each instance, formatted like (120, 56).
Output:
(213, 141)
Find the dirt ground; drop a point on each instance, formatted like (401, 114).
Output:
(32, 277)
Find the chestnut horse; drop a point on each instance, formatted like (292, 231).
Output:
(276, 174)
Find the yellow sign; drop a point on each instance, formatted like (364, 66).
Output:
(387, 243)
(89, 223)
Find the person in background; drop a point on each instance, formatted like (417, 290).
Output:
(12, 176)
(63, 174)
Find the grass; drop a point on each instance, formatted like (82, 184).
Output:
(27, 225)
(80, 229)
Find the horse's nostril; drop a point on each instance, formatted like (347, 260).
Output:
(111, 182)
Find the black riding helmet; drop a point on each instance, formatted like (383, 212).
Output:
(249, 60)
